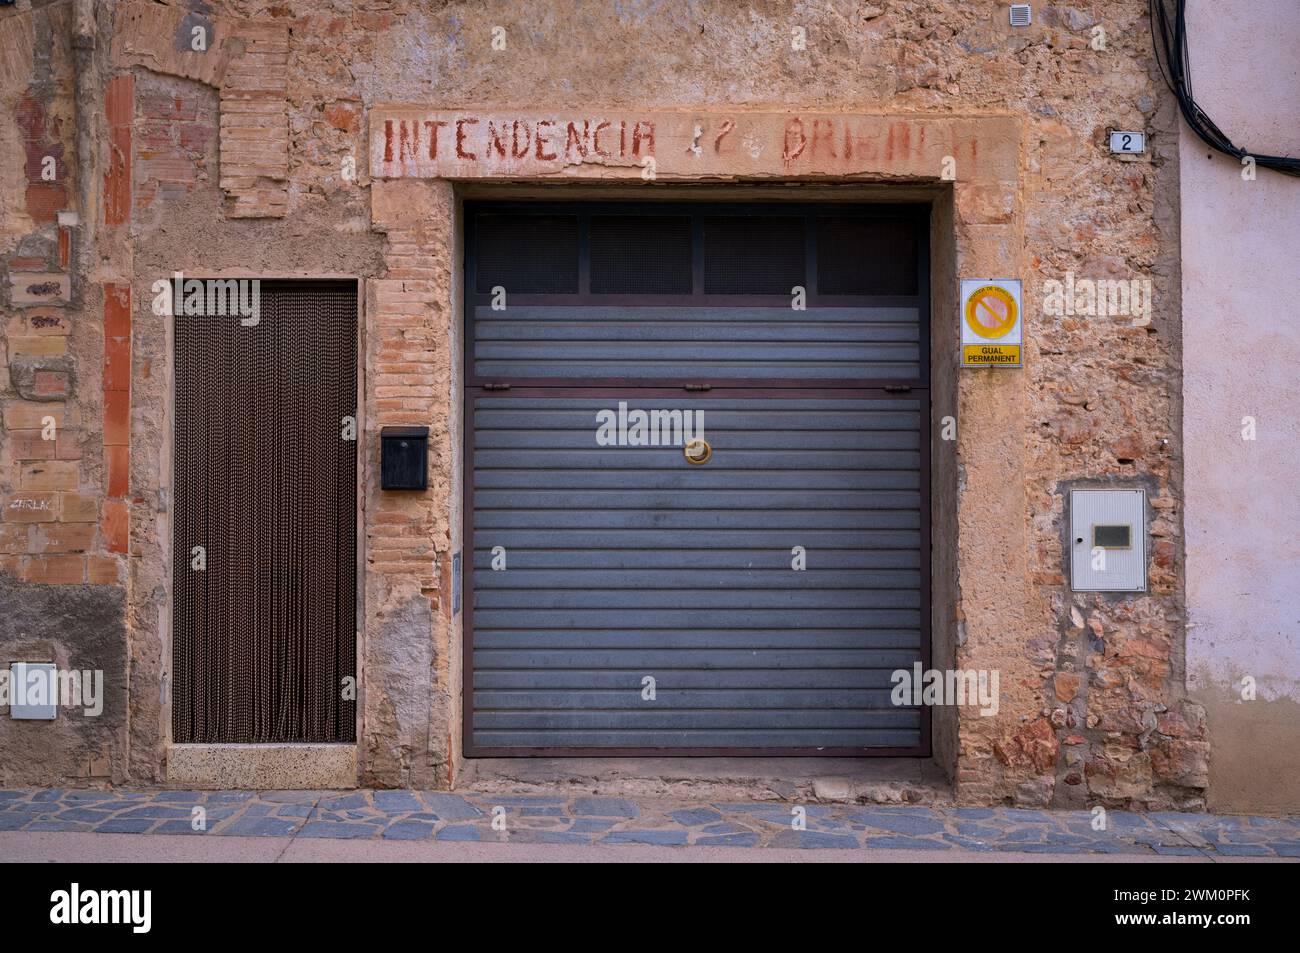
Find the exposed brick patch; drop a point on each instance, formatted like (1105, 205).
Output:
(29, 445)
(52, 384)
(408, 535)
(39, 288)
(40, 321)
(62, 570)
(17, 47)
(343, 116)
(48, 475)
(29, 415)
(41, 374)
(117, 391)
(11, 566)
(119, 110)
(175, 139)
(117, 344)
(67, 445)
(103, 570)
(31, 507)
(255, 124)
(42, 345)
(114, 515)
(45, 197)
(62, 538)
(45, 200)
(406, 354)
(13, 538)
(115, 524)
(117, 417)
(117, 363)
(165, 105)
(117, 311)
(117, 464)
(159, 37)
(78, 508)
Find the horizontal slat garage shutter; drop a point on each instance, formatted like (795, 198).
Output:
(627, 562)
(718, 343)
(594, 571)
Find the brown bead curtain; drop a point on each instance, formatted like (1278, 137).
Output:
(264, 566)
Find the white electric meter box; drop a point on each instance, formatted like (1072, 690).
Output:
(33, 690)
(1108, 551)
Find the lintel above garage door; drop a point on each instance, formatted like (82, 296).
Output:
(665, 145)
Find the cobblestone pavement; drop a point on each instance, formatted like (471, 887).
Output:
(560, 819)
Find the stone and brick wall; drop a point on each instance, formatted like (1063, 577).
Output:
(63, 519)
(255, 156)
(409, 320)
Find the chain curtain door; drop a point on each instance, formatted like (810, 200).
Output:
(264, 551)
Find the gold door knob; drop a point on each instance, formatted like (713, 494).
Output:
(697, 451)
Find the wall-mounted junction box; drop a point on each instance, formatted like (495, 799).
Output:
(1108, 540)
(35, 685)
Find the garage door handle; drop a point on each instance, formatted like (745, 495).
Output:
(697, 451)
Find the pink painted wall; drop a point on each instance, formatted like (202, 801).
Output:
(1241, 346)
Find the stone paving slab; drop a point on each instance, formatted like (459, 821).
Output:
(586, 819)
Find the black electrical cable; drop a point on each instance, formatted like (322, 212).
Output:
(1169, 37)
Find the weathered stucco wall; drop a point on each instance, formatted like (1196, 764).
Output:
(1242, 362)
(256, 154)
(63, 528)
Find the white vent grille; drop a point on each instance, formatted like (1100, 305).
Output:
(1021, 14)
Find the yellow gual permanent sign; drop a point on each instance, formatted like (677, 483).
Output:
(990, 322)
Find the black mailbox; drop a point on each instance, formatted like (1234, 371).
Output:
(403, 458)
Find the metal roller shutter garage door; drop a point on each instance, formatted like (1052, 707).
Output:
(623, 600)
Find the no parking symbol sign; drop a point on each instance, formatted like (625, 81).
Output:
(991, 326)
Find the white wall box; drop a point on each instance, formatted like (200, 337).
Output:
(36, 685)
(1108, 536)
